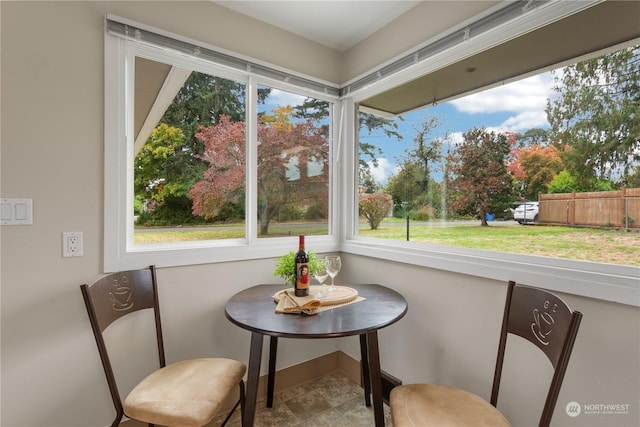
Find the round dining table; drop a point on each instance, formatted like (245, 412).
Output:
(253, 309)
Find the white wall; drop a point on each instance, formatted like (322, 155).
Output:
(450, 336)
(52, 152)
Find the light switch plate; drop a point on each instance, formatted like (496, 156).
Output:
(16, 211)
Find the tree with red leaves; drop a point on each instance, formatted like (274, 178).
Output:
(535, 167)
(292, 166)
(224, 180)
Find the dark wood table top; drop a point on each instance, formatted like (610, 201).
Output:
(254, 309)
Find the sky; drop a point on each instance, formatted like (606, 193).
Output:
(514, 107)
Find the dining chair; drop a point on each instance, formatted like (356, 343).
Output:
(534, 314)
(188, 393)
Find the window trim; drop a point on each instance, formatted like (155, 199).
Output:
(607, 282)
(119, 252)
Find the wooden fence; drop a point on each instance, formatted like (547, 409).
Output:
(595, 209)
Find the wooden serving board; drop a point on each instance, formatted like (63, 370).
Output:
(341, 295)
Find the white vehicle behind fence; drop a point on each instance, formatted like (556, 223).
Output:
(526, 212)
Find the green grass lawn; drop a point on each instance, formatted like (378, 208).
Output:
(609, 246)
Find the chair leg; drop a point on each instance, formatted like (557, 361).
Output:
(118, 419)
(239, 402)
(242, 399)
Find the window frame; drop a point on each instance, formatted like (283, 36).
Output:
(119, 250)
(608, 282)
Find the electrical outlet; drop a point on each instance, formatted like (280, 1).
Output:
(72, 244)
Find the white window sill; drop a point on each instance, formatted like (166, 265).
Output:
(606, 282)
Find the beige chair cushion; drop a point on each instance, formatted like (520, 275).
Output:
(423, 405)
(184, 394)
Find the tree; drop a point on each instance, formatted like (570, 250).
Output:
(425, 152)
(202, 101)
(286, 151)
(286, 148)
(594, 119)
(413, 187)
(318, 110)
(374, 207)
(479, 181)
(223, 181)
(563, 182)
(534, 168)
(404, 188)
(368, 182)
(369, 153)
(633, 180)
(408, 195)
(533, 136)
(153, 165)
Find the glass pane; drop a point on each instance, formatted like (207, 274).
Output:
(293, 164)
(548, 165)
(189, 167)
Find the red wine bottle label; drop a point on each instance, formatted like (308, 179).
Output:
(302, 275)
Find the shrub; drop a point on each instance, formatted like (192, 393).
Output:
(314, 212)
(290, 213)
(425, 213)
(374, 207)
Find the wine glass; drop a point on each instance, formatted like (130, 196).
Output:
(321, 275)
(333, 268)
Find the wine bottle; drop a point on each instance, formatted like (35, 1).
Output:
(302, 270)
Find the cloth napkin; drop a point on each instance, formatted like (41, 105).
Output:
(289, 303)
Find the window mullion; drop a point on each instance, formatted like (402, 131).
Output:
(251, 194)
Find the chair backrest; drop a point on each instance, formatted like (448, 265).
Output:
(546, 321)
(114, 296)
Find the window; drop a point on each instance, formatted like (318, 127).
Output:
(293, 164)
(415, 181)
(216, 158)
(189, 167)
(449, 169)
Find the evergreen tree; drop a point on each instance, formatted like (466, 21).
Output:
(595, 119)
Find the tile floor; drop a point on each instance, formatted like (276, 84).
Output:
(333, 400)
(329, 401)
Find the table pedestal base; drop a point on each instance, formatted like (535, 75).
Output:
(369, 363)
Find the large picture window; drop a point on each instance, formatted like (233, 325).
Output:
(548, 165)
(216, 157)
(468, 160)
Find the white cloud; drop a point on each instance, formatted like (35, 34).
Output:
(455, 138)
(526, 98)
(384, 169)
(526, 120)
(282, 98)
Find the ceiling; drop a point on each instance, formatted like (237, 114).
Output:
(337, 24)
(342, 24)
